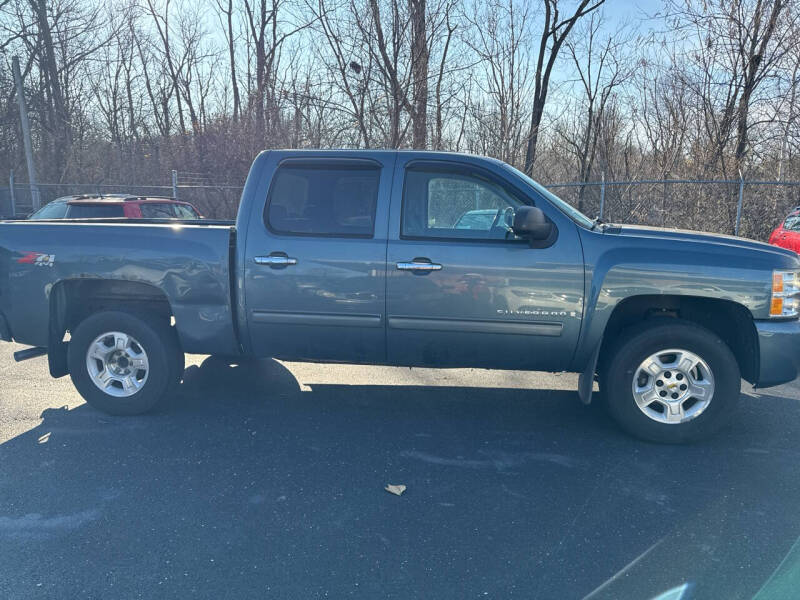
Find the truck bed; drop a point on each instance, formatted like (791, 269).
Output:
(188, 262)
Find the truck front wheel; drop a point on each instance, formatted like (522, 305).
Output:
(670, 381)
(124, 363)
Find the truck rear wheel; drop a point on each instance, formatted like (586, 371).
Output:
(670, 381)
(124, 363)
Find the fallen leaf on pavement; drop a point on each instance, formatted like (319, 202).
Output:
(397, 490)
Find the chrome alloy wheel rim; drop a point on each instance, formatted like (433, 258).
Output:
(673, 386)
(117, 364)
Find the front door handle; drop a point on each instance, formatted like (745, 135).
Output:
(276, 260)
(421, 265)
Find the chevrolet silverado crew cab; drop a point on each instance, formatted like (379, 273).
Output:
(408, 258)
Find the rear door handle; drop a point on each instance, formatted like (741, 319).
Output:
(276, 260)
(421, 265)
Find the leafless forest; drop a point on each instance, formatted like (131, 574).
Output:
(123, 91)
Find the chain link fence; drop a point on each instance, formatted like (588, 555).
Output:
(748, 208)
(213, 201)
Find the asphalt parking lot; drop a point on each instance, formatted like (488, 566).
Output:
(265, 480)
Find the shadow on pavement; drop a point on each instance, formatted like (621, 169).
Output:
(246, 486)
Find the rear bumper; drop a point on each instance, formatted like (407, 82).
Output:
(778, 352)
(5, 330)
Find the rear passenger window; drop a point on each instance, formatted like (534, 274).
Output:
(152, 210)
(325, 199)
(185, 212)
(95, 211)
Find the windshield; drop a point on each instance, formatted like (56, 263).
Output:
(476, 219)
(792, 223)
(572, 213)
(55, 210)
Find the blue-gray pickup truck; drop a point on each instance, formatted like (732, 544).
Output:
(408, 258)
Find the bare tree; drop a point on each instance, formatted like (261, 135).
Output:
(602, 67)
(735, 46)
(162, 24)
(349, 60)
(58, 38)
(663, 115)
(392, 63)
(420, 54)
(439, 100)
(555, 31)
(403, 43)
(226, 11)
(500, 35)
(267, 35)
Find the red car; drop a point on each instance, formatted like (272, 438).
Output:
(788, 234)
(107, 207)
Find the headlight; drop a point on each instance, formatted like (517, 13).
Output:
(785, 300)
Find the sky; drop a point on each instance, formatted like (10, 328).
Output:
(619, 10)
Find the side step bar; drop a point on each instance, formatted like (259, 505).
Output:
(29, 353)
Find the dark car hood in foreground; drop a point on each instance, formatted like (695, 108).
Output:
(696, 236)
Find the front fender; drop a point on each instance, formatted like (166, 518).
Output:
(619, 268)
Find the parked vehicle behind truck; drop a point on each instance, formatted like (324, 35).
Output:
(115, 206)
(364, 257)
(787, 234)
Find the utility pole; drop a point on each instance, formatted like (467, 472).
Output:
(739, 205)
(11, 189)
(26, 135)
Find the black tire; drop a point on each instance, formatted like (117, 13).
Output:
(636, 344)
(156, 338)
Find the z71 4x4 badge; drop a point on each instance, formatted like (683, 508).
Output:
(37, 258)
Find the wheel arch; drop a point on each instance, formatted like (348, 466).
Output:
(72, 300)
(731, 321)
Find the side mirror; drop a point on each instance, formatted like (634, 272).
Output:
(531, 223)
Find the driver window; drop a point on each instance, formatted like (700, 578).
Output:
(439, 204)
